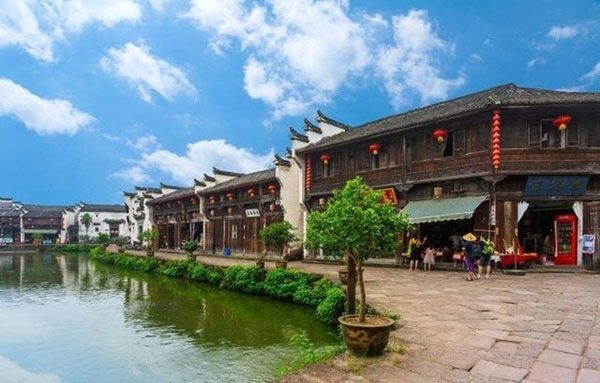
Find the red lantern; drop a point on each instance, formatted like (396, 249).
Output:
(212, 199)
(230, 196)
(251, 192)
(440, 135)
(374, 149)
(325, 158)
(561, 122)
(272, 189)
(308, 172)
(496, 141)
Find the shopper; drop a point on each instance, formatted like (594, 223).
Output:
(468, 241)
(429, 258)
(414, 249)
(486, 257)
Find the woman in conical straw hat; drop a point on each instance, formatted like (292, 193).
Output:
(468, 240)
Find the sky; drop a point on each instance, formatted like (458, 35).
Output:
(97, 96)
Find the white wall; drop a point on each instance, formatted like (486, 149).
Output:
(98, 223)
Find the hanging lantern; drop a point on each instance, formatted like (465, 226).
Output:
(440, 135)
(251, 192)
(212, 199)
(374, 149)
(308, 173)
(230, 196)
(272, 189)
(325, 158)
(496, 141)
(561, 122)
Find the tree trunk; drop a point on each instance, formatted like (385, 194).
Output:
(351, 287)
(361, 285)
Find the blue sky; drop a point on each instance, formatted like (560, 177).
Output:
(98, 96)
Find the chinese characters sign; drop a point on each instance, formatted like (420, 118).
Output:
(556, 185)
(389, 195)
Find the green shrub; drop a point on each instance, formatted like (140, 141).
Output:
(197, 272)
(282, 283)
(174, 268)
(214, 275)
(332, 306)
(244, 278)
(312, 295)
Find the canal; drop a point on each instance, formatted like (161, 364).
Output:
(66, 318)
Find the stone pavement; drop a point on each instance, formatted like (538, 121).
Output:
(536, 328)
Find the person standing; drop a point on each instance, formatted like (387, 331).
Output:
(414, 249)
(487, 250)
(429, 258)
(469, 240)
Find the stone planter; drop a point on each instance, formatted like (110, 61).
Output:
(281, 264)
(366, 338)
(191, 257)
(343, 274)
(150, 253)
(260, 264)
(121, 250)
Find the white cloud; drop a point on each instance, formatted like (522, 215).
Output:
(135, 175)
(593, 74)
(44, 116)
(561, 33)
(145, 144)
(135, 64)
(475, 57)
(299, 53)
(158, 5)
(535, 62)
(412, 62)
(199, 158)
(13, 373)
(36, 26)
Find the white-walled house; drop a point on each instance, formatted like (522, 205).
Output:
(108, 219)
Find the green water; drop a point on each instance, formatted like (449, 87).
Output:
(65, 318)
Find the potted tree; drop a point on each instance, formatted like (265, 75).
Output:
(359, 225)
(149, 238)
(189, 247)
(103, 240)
(120, 241)
(278, 235)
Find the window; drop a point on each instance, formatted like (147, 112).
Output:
(550, 136)
(96, 229)
(328, 168)
(375, 161)
(449, 145)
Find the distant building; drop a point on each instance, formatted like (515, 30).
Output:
(108, 219)
(44, 221)
(10, 221)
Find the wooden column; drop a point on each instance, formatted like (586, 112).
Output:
(509, 223)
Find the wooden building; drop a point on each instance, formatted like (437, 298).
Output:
(177, 218)
(44, 221)
(505, 162)
(10, 221)
(237, 209)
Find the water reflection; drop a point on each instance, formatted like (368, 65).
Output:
(124, 326)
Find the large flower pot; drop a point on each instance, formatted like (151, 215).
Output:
(366, 338)
(281, 264)
(121, 250)
(150, 253)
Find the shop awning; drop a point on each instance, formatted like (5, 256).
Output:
(443, 209)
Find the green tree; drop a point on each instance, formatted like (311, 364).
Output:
(189, 247)
(103, 239)
(278, 235)
(359, 225)
(149, 239)
(86, 220)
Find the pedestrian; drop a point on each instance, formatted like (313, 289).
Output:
(414, 249)
(477, 254)
(468, 241)
(429, 258)
(487, 250)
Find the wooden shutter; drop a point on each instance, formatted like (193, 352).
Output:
(572, 135)
(459, 142)
(534, 134)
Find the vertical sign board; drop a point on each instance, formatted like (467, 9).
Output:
(492, 213)
(589, 244)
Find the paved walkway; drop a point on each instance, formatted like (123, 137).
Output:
(535, 328)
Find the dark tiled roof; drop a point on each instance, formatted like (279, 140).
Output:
(148, 189)
(129, 194)
(166, 186)
(181, 193)
(310, 127)
(323, 118)
(501, 96)
(226, 173)
(281, 161)
(199, 183)
(43, 211)
(246, 179)
(209, 178)
(294, 135)
(103, 208)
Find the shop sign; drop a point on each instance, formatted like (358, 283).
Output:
(589, 244)
(251, 213)
(551, 186)
(389, 195)
(492, 213)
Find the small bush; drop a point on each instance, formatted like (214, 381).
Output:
(282, 283)
(197, 272)
(332, 306)
(246, 279)
(214, 275)
(174, 268)
(315, 294)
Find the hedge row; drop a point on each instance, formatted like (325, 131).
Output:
(288, 285)
(73, 247)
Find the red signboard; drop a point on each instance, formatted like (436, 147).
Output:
(389, 195)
